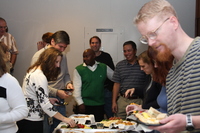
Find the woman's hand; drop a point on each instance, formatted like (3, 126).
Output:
(70, 121)
(62, 94)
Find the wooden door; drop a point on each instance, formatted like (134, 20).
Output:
(197, 25)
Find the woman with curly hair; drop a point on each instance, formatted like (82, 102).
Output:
(155, 94)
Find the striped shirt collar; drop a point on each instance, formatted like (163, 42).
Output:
(127, 63)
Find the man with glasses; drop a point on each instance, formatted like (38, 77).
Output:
(60, 40)
(160, 28)
(10, 42)
(152, 34)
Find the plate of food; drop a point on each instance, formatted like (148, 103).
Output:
(149, 117)
(108, 122)
(81, 128)
(118, 123)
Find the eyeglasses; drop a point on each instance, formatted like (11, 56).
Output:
(151, 35)
(3, 27)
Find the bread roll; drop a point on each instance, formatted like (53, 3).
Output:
(161, 116)
(153, 112)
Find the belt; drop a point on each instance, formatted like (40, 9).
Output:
(130, 97)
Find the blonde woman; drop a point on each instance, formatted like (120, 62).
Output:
(12, 102)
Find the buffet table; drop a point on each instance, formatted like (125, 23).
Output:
(90, 126)
(79, 130)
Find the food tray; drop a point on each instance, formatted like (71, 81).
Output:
(121, 124)
(58, 129)
(87, 119)
(132, 117)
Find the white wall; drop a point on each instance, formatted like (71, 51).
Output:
(29, 19)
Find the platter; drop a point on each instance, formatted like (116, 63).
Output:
(132, 117)
(146, 124)
(113, 125)
(149, 117)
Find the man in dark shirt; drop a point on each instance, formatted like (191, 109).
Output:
(103, 57)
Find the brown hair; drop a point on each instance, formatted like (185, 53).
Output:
(144, 57)
(96, 38)
(61, 37)
(47, 61)
(160, 73)
(46, 37)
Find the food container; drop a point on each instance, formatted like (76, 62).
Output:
(125, 125)
(83, 119)
(99, 125)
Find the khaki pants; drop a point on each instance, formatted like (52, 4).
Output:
(122, 103)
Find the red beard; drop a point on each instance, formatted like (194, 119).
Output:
(165, 55)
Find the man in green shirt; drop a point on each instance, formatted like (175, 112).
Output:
(88, 80)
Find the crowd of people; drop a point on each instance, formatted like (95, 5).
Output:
(165, 76)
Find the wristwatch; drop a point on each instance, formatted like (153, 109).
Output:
(189, 124)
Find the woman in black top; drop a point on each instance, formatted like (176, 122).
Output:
(153, 88)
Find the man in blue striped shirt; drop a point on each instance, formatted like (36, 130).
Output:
(158, 23)
(127, 75)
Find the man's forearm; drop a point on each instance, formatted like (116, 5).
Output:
(115, 92)
(52, 91)
(13, 58)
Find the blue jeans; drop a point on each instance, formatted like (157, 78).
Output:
(49, 128)
(108, 103)
(46, 126)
